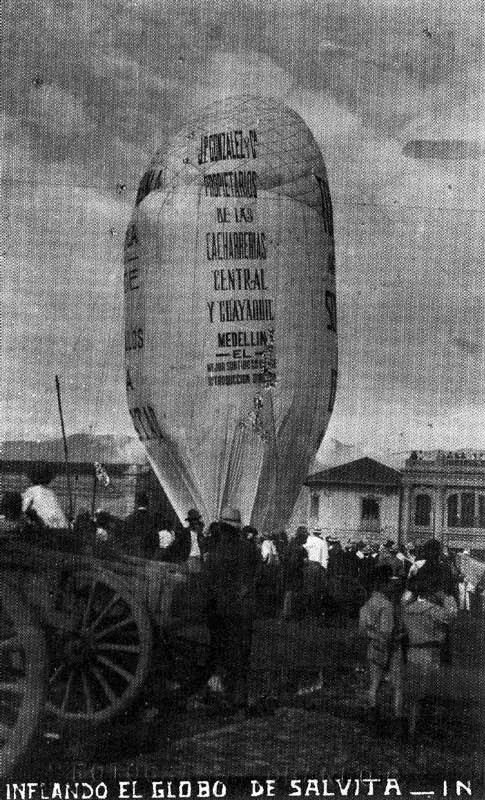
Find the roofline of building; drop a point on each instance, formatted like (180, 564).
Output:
(332, 476)
(315, 481)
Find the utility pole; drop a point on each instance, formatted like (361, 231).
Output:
(66, 455)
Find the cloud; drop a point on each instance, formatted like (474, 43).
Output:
(93, 89)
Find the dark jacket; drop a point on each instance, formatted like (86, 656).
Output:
(179, 550)
(296, 559)
(140, 534)
(231, 566)
(367, 572)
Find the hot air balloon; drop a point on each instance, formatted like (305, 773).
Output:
(230, 311)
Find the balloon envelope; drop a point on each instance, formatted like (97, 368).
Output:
(230, 338)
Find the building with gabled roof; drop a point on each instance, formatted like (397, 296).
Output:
(432, 495)
(361, 472)
(359, 499)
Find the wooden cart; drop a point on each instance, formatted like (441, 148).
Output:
(77, 632)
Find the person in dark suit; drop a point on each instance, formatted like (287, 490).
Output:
(140, 537)
(231, 566)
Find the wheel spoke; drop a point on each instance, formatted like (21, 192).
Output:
(105, 610)
(68, 689)
(112, 628)
(58, 671)
(13, 642)
(119, 648)
(87, 693)
(104, 660)
(92, 590)
(104, 685)
(18, 687)
(128, 676)
(5, 732)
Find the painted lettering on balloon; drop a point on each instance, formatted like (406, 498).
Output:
(231, 184)
(327, 211)
(239, 279)
(235, 245)
(333, 390)
(242, 339)
(236, 352)
(131, 275)
(331, 306)
(227, 146)
(243, 214)
(240, 360)
(134, 339)
(228, 380)
(131, 236)
(246, 310)
(221, 215)
(269, 360)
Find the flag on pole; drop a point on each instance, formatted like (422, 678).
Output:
(101, 474)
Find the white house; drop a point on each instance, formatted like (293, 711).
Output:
(356, 500)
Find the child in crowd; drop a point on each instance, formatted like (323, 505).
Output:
(380, 621)
(427, 618)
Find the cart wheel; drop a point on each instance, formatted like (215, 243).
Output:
(100, 660)
(23, 670)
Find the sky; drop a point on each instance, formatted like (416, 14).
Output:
(91, 90)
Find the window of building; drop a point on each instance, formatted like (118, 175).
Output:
(370, 509)
(314, 504)
(481, 511)
(422, 513)
(467, 510)
(452, 511)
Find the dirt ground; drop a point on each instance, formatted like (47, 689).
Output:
(319, 733)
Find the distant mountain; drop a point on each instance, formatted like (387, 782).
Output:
(82, 447)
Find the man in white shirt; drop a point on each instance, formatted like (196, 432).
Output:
(315, 571)
(269, 553)
(41, 502)
(317, 549)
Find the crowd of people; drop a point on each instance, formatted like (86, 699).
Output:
(405, 600)
(406, 621)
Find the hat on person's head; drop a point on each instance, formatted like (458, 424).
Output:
(193, 515)
(249, 531)
(231, 516)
